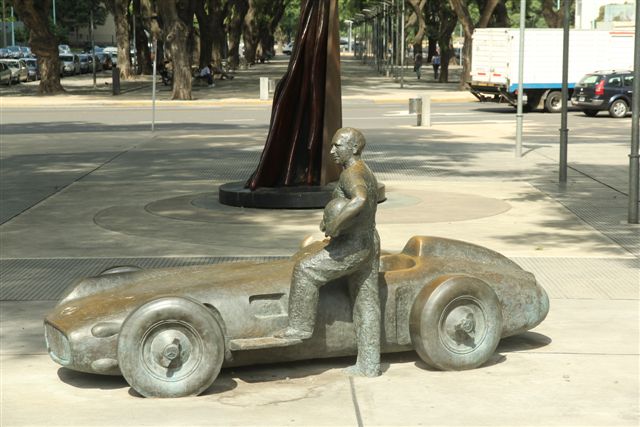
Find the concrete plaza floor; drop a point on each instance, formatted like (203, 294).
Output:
(72, 209)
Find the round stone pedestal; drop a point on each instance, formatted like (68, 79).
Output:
(299, 197)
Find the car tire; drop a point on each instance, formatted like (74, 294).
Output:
(456, 323)
(590, 113)
(171, 347)
(618, 109)
(553, 102)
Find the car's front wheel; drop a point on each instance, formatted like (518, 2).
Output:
(456, 323)
(618, 109)
(171, 347)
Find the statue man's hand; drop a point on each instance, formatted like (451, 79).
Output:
(323, 227)
(331, 229)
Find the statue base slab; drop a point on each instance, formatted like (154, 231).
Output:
(298, 197)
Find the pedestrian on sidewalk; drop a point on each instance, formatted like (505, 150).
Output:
(435, 61)
(417, 64)
(205, 73)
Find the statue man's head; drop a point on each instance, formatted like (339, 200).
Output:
(346, 145)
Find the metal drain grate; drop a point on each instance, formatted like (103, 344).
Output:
(586, 278)
(46, 279)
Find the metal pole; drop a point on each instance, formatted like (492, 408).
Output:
(564, 131)
(635, 109)
(153, 85)
(54, 12)
(402, 44)
(13, 29)
(519, 116)
(4, 26)
(93, 46)
(135, 46)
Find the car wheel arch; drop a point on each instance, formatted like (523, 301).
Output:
(228, 356)
(612, 104)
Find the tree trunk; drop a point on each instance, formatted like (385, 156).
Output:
(238, 9)
(552, 18)
(142, 42)
(176, 37)
(462, 11)
(447, 21)
(250, 34)
(120, 17)
(35, 15)
(205, 22)
(220, 10)
(418, 6)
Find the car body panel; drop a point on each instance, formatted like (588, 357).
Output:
(251, 301)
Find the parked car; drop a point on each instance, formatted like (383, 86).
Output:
(111, 50)
(14, 52)
(105, 60)
(85, 66)
(64, 48)
(604, 90)
(4, 52)
(19, 70)
(169, 331)
(69, 64)
(287, 48)
(32, 68)
(97, 61)
(26, 52)
(5, 74)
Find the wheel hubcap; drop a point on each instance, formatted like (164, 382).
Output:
(171, 350)
(463, 325)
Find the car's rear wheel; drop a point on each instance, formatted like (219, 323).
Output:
(553, 102)
(590, 113)
(618, 109)
(456, 323)
(171, 347)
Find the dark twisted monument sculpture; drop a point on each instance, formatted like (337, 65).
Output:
(353, 252)
(295, 169)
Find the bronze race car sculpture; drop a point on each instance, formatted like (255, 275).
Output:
(170, 331)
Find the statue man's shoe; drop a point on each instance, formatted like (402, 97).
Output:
(291, 333)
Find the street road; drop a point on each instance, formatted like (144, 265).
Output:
(50, 148)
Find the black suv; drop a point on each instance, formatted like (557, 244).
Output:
(604, 90)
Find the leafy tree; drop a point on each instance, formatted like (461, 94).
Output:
(35, 15)
(72, 15)
(120, 11)
(461, 7)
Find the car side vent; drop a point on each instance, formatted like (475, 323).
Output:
(268, 305)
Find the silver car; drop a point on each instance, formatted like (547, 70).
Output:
(69, 64)
(5, 74)
(19, 70)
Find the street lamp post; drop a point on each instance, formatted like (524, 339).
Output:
(402, 44)
(634, 158)
(350, 23)
(519, 117)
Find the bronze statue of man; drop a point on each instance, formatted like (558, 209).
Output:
(352, 252)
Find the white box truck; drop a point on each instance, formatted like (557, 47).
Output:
(494, 62)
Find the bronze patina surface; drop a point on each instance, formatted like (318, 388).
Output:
(250, 300)
(353, 253)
